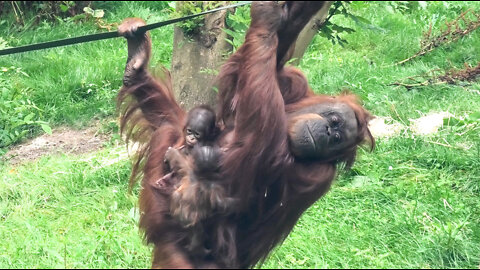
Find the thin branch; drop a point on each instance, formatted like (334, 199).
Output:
(451, 76)
(425, 83)
(449, 35)
(329, 17)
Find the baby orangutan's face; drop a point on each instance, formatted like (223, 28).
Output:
(193, 136)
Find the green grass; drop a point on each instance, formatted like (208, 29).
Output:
(74, 84)
(412, 203)
(70, 212)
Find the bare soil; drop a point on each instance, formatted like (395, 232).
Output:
(62, 141)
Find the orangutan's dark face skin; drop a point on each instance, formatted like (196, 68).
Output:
(200, 126)
(319, 131)
(193, 135)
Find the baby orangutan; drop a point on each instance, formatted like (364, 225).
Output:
(200, 127)
(199, 193)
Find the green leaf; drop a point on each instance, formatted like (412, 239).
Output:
(341, 29)
(327, 31)
(63, 8)
(359, 19)
(364, 23)
(46, 128)
(88, 10)
(229, 32)
(98, 13)
(29, 117)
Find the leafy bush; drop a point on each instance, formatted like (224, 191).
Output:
(193, 26)
(18, 114)
(42, 9)
(237, 25)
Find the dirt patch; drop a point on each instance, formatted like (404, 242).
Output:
(62, 141)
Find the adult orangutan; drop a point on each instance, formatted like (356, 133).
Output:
(280, 143)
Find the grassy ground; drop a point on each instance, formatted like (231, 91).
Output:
(412, 203)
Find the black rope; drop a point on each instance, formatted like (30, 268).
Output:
(107, 35)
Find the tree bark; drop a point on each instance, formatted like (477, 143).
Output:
(306, 35)
(196, 61)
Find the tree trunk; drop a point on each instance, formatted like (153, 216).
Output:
(306, 35)
(196, 61)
